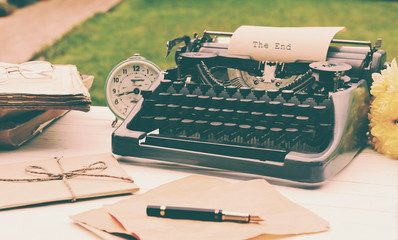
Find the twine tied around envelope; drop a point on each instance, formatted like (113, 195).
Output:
(34, 169)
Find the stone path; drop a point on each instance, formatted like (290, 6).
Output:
(28, 29)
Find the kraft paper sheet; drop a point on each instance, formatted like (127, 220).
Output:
(282, 44)
(36, 192)
(257, 197)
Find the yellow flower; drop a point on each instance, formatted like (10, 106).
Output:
(386, 81)
(383, 114)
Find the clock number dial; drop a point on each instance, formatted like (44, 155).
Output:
(136, 68)
(123, 91)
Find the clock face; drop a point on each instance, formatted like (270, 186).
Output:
(125, 82)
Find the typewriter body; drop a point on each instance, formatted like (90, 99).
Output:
(301, 121)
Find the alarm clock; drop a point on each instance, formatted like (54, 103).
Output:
(125, 82)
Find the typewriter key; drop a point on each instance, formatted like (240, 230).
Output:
(231, 90)
(173, 110)
(244, 91)
(160, 109)
(259, 106)
(191, 100)
(258, 93)
(216, 129)
(164, 97)
(231, 130)
(204, 88)
(186, 111)
(178, 86)
(245, 104)
(191, 87)
(273, 93)
(203, 100)
(256, 117)
(175, 125)
(218, 89)
(187, 125)
(319, 97)
(199, 112)
(245, 132)
(161, 123)
(227, 114)
(165, 84)
(202, 128)
(287, 94)
(288, 108)
(177, 98)
(231, 103)
(302, 96)
(146, 93)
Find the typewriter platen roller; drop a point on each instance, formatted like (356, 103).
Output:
(301, 121)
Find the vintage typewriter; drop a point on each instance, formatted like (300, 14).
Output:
(300, 121)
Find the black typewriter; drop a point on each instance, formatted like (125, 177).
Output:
(301, 121)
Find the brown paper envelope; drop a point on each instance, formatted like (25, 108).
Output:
(28, 193)
(107, 228)
(100, 233)
(256, 197)
(100, 220)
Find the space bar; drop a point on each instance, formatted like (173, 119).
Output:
(262, 154)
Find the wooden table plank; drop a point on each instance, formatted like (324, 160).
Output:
(360, 202)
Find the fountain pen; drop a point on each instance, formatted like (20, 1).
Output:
(201, 214)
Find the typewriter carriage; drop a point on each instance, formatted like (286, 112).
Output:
(203, 55)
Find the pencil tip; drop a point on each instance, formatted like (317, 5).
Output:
(256, 219)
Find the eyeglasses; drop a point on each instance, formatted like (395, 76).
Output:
(30, 70)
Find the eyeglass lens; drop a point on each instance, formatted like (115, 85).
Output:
(36, 69)
(3, 74)
(3, 70)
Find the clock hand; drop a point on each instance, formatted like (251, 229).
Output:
(137, 80)
(126, 93)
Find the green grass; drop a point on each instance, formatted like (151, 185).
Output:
(144, 26)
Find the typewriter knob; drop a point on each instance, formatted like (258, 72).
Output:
(126, 81)
(330, 73)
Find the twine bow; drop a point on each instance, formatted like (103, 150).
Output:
(96, 166)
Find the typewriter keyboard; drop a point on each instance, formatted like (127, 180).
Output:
(273, 119)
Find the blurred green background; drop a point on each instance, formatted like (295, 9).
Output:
(144, 26)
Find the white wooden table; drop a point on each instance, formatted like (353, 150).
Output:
(360, 202)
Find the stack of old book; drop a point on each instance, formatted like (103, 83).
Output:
(30, 99)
